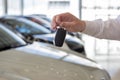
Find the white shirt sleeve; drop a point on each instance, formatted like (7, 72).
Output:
(109, 29)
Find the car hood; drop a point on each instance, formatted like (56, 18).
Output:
(41, 49)
(22, 64)
(38, 48)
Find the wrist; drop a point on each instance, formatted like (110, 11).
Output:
(82, 26)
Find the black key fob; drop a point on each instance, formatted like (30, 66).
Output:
(59, 37)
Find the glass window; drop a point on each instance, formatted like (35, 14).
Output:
(98, 9)
(14, 7)
(114, 47)
(9, 39)
(34, 7)
(1, 8)
(58, 4)
(28, 6)
(27, 27)
(101, 47)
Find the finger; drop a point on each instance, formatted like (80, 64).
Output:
(58, 19)
(53, 23)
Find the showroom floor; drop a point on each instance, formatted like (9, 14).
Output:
(111, 64)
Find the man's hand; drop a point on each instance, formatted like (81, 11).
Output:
(68, 22)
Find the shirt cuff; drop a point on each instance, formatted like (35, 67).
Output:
(92, 28)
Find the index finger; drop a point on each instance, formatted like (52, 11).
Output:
(56, 21)
(53, 23)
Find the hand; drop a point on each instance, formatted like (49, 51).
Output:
(68, 22)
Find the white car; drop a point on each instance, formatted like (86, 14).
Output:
(21, 61)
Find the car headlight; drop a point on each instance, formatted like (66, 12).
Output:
(100, 75)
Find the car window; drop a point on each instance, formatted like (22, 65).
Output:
(27, 27)
(75, 44)
(39, 22)
(34, 25)
(47, 19)
(43, 17)
(46, 23)
(9, 39)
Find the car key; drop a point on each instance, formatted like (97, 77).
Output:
(60, 37)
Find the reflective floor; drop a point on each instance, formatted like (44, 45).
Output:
(111, 64)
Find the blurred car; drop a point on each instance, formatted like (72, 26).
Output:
(34, 31)
(21, 61)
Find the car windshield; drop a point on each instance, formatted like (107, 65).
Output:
(8, 39)
(27, 27)
(40, 21)
(75, 44)
(47, 19)
(38, 28)
(43, 17)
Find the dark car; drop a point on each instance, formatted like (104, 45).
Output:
(35, 31)
(21, 61)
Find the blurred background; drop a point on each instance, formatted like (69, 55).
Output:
(105, 52)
